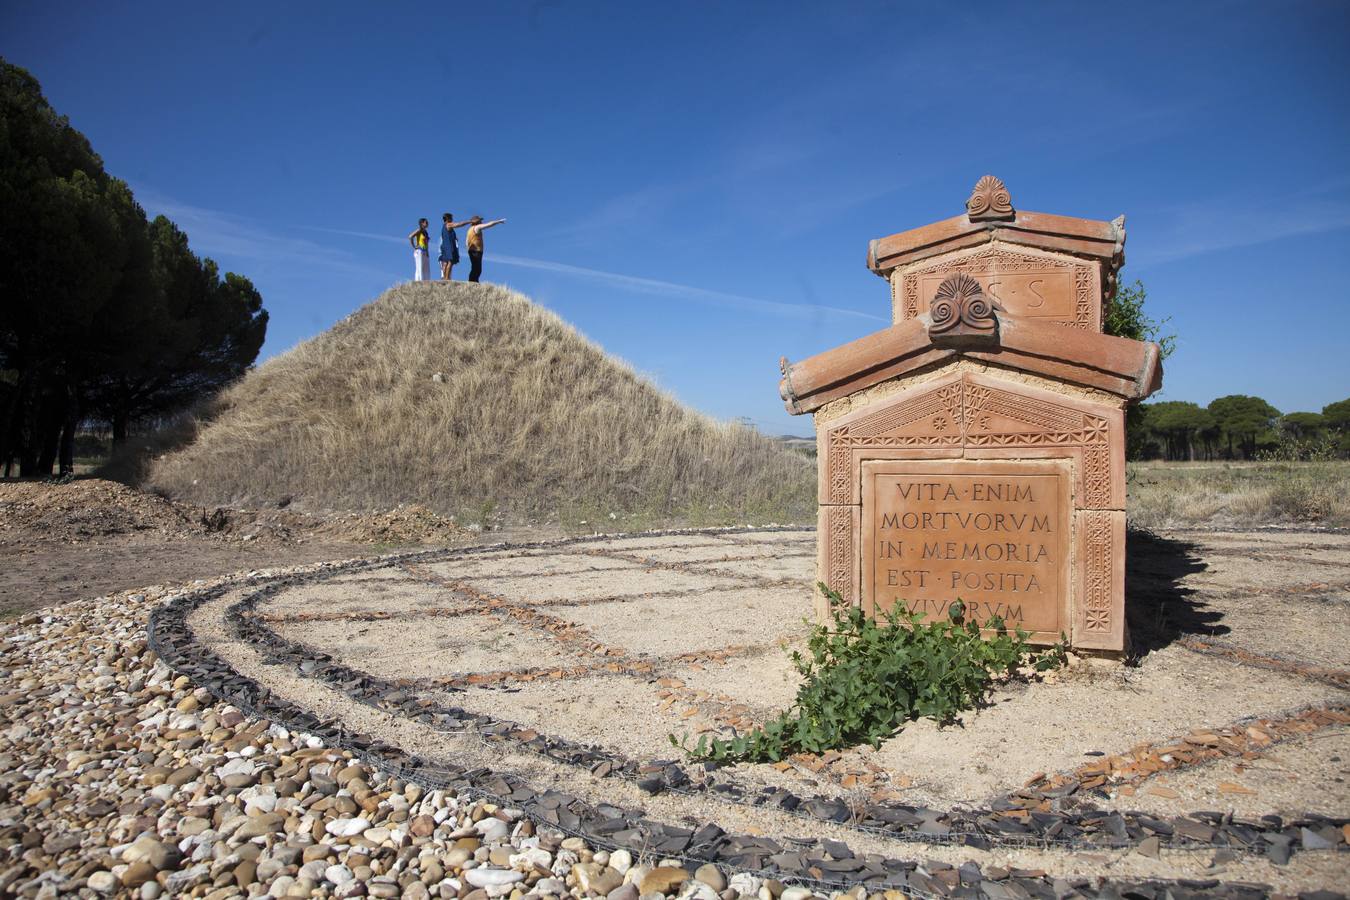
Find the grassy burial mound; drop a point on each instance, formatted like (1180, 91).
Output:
(473, 401)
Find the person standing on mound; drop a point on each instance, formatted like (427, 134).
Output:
(419, 240)
(474, 242)
(449, 245)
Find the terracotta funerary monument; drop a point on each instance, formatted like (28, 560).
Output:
(975, 449)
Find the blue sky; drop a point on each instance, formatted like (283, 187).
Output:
(693, 185)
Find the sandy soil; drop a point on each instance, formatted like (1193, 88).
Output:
(673, 608)
(1303, 871)
(460, 645)
(1277, 781)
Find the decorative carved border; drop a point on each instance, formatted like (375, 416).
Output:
(942, 406)
(982, 261)
(1099, 618)
(1082, 281)
(1096, 477)
(1096, 565)
(839, 571)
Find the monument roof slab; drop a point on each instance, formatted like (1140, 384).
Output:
(1126, 368)
(990, 217)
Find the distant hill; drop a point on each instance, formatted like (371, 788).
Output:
(805, 445)
(473, 401)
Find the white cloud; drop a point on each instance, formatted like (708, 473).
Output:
(215, 233)
(1207, 227)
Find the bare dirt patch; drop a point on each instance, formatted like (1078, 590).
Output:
(66, 541)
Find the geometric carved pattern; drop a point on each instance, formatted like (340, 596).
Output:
(964, 414)
(943, 400)
(839, 523)
(1082, 281)
(1023, 409)
(1096, 476)
(995, 260)
(1097, 570)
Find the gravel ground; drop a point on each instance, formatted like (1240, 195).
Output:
(118, 777)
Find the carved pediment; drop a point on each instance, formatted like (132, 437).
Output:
(959, 413)
(1024, 284)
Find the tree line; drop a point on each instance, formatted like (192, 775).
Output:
(109, 318)
(1238, 427)
(1233, 427)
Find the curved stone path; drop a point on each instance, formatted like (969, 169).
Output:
(547, 676)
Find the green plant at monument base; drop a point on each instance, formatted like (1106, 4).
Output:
(863, 679)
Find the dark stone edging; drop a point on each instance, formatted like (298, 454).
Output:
(981, 829)
(602, 824)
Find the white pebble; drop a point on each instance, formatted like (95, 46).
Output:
(338, 874)
(745, 884)
(237, 767)
(492, 829)
(347, 827)
(484, 878)
(532, 857)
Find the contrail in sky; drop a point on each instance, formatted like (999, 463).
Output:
(646, 285)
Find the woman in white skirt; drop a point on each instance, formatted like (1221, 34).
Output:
(421, 262)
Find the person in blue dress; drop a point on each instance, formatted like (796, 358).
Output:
(449, 245)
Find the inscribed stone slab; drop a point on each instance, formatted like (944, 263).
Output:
(994, 535)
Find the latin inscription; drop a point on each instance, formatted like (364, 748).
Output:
(992, 540)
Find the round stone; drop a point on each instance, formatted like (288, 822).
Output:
(138, 873)
(710, 875)
(348, 827)
(102, 881)
(337, 874)
(663, 879)
(488, 877)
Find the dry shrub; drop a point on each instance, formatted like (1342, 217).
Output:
(1223, 494)
(131, 462)
(471, 400)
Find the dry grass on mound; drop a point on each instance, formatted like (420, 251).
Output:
(1233, 494)
(473, 401)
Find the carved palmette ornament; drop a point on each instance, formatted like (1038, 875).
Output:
(989, 200)
(960, 308)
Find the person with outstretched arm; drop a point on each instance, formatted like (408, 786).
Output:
(449, 245)
(474, 242)
(419, 240)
